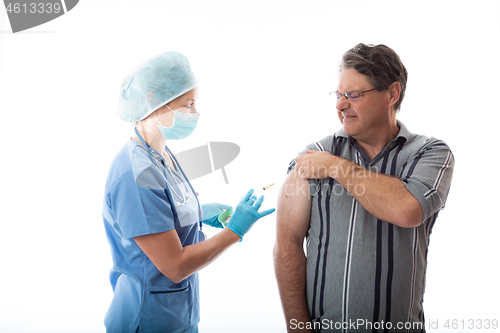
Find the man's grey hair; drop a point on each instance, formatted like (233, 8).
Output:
(380, 64)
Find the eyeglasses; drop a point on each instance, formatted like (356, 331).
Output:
(349, 95)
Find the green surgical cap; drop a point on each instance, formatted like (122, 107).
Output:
(153, 84)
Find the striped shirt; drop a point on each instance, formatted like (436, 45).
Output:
(361, 269)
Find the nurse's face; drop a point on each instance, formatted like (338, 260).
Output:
(184, 103)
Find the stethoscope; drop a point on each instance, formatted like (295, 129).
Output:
(153, 156)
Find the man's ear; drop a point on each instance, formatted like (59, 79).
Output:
(394, 91)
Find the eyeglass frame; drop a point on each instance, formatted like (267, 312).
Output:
(350, 92)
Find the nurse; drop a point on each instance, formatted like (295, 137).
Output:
(151, 213)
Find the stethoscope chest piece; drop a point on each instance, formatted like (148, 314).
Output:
(177, 204)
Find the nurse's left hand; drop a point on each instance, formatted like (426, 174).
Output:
(213, 222)
(211, 212)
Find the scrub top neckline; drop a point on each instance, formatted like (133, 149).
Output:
(165, 165)
(176, 166)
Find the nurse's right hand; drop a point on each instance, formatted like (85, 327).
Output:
(247, 213)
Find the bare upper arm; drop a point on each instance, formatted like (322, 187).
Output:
(293, 210)
(164, 249)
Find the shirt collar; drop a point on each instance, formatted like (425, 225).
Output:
(403, 133)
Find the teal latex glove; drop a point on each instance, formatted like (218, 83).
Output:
(211, 212)
(213, 222)
(247, 213)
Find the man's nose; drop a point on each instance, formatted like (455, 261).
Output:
(342, 103)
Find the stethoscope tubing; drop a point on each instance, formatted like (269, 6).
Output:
(150, 154)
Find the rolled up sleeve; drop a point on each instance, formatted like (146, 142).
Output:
(428, 174)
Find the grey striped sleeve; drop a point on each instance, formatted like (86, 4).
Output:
(427, 175)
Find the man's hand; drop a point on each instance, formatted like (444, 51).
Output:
(315, 164)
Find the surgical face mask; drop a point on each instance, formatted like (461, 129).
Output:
(184, 125)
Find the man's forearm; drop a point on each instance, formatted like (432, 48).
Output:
(290, 270)
(385, 197)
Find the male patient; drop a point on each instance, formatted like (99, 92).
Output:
(366, 198)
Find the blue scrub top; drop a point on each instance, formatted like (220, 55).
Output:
(138, 202)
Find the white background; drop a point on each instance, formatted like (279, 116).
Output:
(265, 69)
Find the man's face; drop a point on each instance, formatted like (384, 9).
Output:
(363, 118)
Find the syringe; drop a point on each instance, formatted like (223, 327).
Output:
(258, 193)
